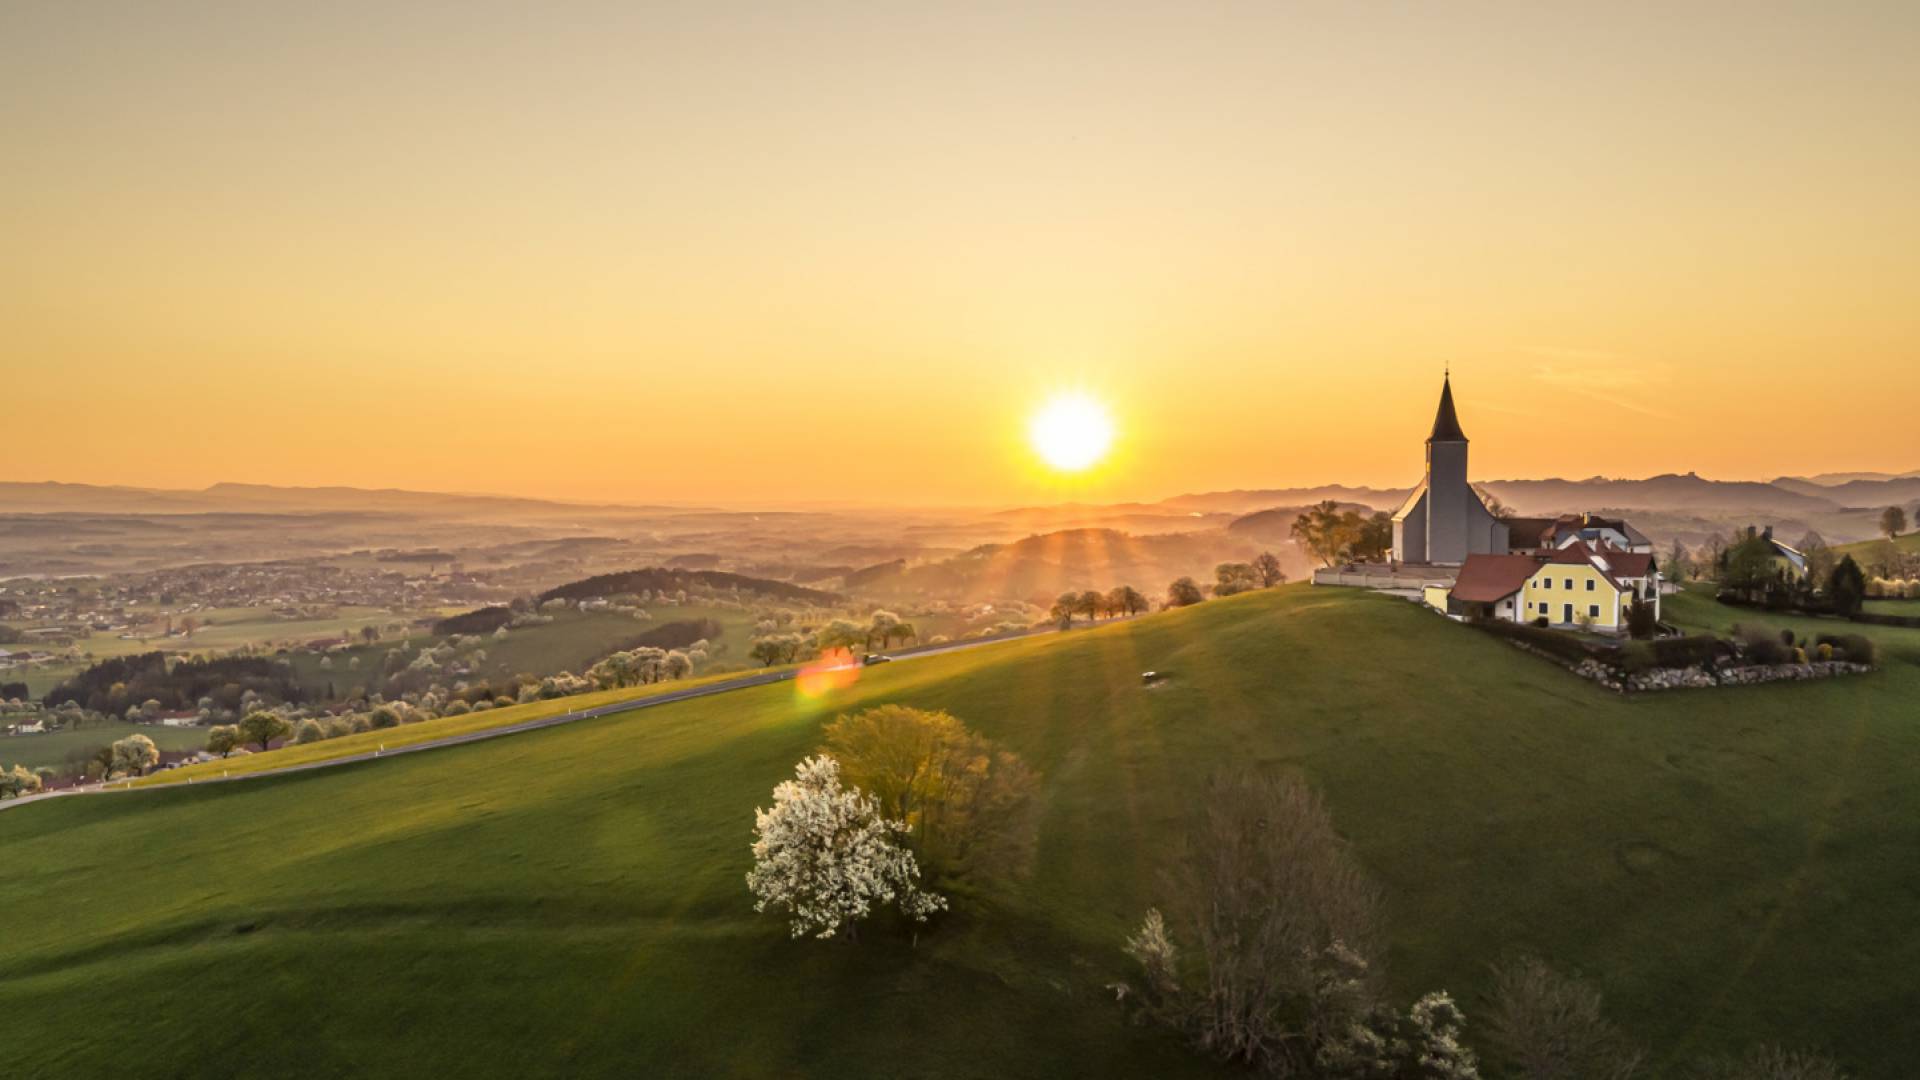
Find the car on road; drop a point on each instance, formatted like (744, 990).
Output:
(876, 658)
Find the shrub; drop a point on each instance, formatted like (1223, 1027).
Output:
(458, 708)
(1762, 647)
(308, 731)
(1770, 1063)
(18, 782)
(1540, 621)
(1555, 643)
(383, 718)
(1694, 650)
(1542, 1024)
(968, 805)
(1638, 656)
(1859, 648)
(1825, 652)
(1641, 622)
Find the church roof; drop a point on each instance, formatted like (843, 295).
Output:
(1446, 426)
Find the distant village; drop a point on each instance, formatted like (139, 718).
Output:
(167, 608)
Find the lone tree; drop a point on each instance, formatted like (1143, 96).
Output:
(223, 739)
(1064, 609)
(1325, 531)
(1750, 567)
(1820, 557)
(1893, 521)
(1283, 922)
(1233, 578)
(1089, 603)
(1184, 592)
(1679, 563)
(825, 856)
(1125, 600)
(1267, 565)
(1331, 534)
(967, 803)
(776, 648)
(134, 755)
(263, 727)
(1847, 587)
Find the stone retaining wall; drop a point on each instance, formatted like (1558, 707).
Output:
(1699, 677)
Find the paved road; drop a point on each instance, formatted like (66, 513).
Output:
(723, 687)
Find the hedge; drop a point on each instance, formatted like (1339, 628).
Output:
(1876, 619)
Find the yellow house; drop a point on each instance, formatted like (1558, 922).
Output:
(1570, 590)
(1575, 586)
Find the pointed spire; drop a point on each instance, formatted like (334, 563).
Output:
(1446, 426)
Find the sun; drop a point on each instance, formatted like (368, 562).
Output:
(1071, 432)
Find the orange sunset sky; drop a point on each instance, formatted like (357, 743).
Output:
(719, 252)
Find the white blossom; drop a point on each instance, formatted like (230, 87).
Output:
(825, 855)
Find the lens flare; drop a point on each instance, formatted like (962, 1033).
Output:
(836, 669)
(1071, 432)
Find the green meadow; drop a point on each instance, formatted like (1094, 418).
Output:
(51, 748)
(1729, 866)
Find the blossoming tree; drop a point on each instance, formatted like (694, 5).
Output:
(826, 856)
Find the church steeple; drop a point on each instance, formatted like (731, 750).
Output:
(1446, 426)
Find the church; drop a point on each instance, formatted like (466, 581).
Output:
(1444, 521)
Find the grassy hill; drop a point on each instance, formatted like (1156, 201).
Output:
(1729, 866)
(1906, 542)
(572, 641)
(1039, 568)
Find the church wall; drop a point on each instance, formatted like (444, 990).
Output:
(1410, 534)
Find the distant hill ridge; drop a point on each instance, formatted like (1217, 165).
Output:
(659, 578)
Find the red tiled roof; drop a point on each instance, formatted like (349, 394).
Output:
(1528, 532)
(1576, 553)
(1579, 554)
(1628, 563)
(1486, 579)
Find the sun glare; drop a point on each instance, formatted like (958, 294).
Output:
(1071, 432)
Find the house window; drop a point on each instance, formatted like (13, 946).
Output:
(1589, 584)
(1543, 607)
(1568, 583)
(1593, 610)
(1546, 583)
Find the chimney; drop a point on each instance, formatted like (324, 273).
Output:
(1767, 534)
